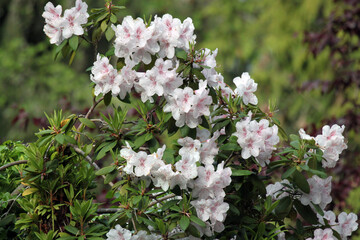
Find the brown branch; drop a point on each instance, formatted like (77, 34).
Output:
(89, 159)
(161, 199)
(95, 103)
(12, 164)
(109, 210)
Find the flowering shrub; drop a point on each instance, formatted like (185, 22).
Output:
(213, 181)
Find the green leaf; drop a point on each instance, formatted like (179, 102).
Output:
(74, 42)
(288, 173)
(197, 220)
(103, 25)
(169, 204)
(230, 147)
(60, 138)
(72, 229)
(87, 122)
(181, 54)
(239, 172)
(105, 170)
(107, 99)
(113, 18)
(306, 212)
(284, 207)
(109, 34)
(301, 182)
(220, 125)
(184, 222)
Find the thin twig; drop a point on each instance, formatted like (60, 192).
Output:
(161, 199)
(12, 164)
(89, 159)
(109, 210)
(95, 103)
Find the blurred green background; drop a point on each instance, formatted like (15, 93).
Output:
(263, 37)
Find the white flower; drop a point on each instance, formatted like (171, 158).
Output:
(245, 88)
(105, 77)
(332, 143)
(118, 233)
(347, 223)
(277, 190)
(58, 28)
(320, 190)
(326, 234)
(162, 176)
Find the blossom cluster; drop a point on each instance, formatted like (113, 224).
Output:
(120, 233)
(256, 139)
(331, 142)
(138, 42)
(58, 28)
(320, 190)
(194, 170)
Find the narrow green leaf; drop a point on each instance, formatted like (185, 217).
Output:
(306, 212)
(87, 122)
(197, 220)
(184, 222)
(239, 172)
(301, 182)
(74, 42)
(60, 138)
(107, 99)
(288, 173)
(105, 170)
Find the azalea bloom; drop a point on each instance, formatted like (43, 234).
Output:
(118, 233)
(245, 88)
(320, 234)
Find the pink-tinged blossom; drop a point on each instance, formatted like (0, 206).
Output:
(329, 216)
(179, 179)
(256, 139)
(118, 233)
(142, 235)
(142, 163)
(129, 76)
(218, 209)
(320, 190)
(320, 234)
(332, 143)
(73, 20)
(209, 149)
(53, 20)
(187, 167)
(245, 88)
(347, 223)
(277, 190)
(58, 28)
(187, 108)
(162, 176)
(186, 34)
(203, 208)
(105, 77)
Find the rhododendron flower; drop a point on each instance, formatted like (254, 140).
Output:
(347, 223)
(320, 234)
(320, 190)
(245, 88)
(58, 28)
(118, 233)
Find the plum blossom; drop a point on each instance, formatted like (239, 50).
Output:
(118, 233)
(320, 234)
(58, 28)
(245, 88)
